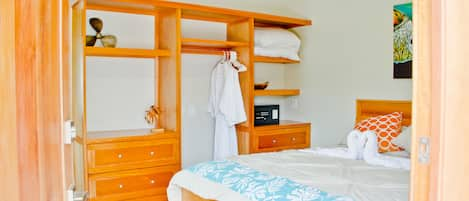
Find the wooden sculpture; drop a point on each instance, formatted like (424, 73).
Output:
(151, 116)
(106, 40)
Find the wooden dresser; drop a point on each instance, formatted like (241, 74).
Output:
(270, 138)
(131, 167)
(120, 164)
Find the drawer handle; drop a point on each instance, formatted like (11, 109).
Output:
(152, 181)
(293, 139)
(119, 156)
(121, 186)
(274, 141)
(152, 153)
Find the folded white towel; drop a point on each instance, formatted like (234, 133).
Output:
(355, 145)
(372, 157)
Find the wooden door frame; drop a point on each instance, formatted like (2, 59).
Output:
(9, 171)
(441, 43)
(31, 105)
(423, 94)
(32, 148)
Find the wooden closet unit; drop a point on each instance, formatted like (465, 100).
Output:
(138, 164)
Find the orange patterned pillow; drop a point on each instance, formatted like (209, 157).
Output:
(387, 127)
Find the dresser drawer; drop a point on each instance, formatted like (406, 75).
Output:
(282, 138)
(131, 185)
(129, 155)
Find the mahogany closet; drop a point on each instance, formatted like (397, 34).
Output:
(138, 164)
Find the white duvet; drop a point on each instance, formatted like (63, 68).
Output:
(352, 178)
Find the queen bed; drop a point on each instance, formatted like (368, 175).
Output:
(332, 178)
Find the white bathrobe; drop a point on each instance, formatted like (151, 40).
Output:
(226, 106)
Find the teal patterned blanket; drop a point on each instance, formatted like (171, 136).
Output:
(259, 186)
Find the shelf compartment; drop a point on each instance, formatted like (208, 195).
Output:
(263, 59)
(125, 52)
(277, 92)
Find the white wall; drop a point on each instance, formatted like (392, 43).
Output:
(348, 55)
(120, 90)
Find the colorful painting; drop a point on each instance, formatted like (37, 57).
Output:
(403, 41)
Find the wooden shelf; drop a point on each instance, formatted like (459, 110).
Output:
(197, 12)
(124, 52)
(194, 42)
(96, 137)
(263, 59)
(282, 124)
(277, 92)
(204, 46)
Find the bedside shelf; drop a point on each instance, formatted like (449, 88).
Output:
(124, 52)
(277, 92)
(279, 60)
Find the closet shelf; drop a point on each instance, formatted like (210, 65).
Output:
(277, 92)
(125, 52)
(263, 59)
(194, 45)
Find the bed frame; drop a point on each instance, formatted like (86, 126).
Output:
(365, 109)
(372, 108)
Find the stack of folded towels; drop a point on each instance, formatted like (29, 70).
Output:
(364, 146)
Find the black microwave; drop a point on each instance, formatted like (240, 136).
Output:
(266, 115)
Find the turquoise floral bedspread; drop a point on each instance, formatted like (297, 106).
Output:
(259, 186)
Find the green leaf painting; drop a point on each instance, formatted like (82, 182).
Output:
(403, 33)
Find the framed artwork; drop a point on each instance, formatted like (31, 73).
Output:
(403, 41)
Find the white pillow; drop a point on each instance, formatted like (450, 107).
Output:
(275, 37)
(276, 42)
(404, 140)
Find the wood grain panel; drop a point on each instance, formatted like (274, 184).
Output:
(125, 52)
(152, 198)
(170, 69)
(204, 43)
(54, 155)
(201, 12)
(77, 91)
(422, 95)
(128, 155)
(371, 108)
(243, 31)
(189, 196)
(278, 137)
(133, 184)
(277, 92)
(291, 139)
(450, 101)
(9, 184)
(28, 17)
(263, 59)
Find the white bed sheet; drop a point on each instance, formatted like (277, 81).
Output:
(352, 178)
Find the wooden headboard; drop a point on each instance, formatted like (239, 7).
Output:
(371, 108)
